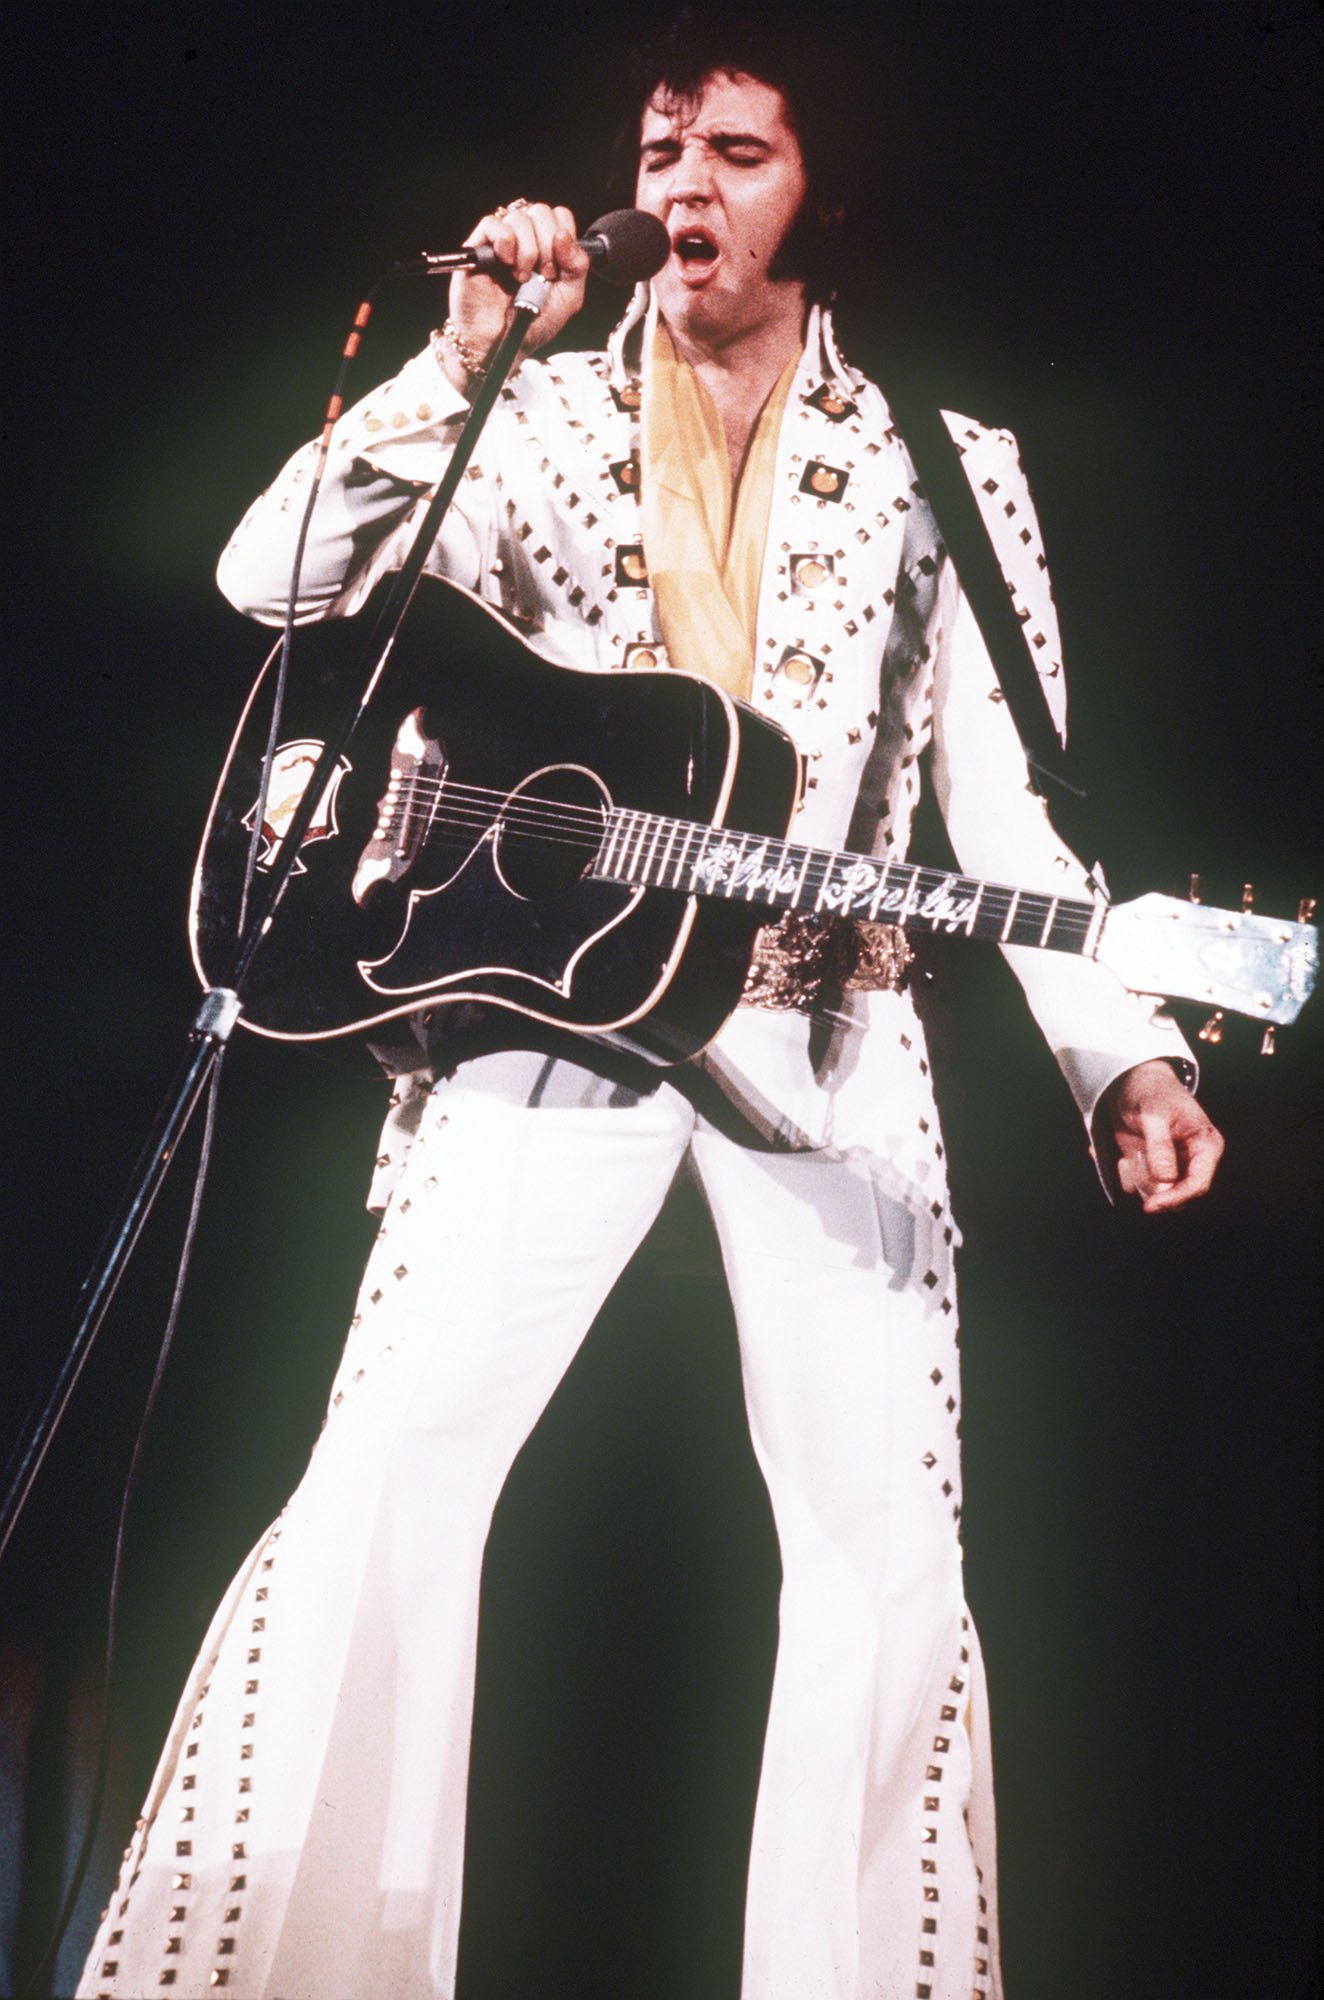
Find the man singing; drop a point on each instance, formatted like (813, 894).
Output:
(722, 494)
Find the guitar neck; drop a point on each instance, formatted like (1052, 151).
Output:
(650, 851)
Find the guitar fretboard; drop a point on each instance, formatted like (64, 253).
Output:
(648, 850)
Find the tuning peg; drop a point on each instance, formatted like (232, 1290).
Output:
(1194, 891)
(1266, 1046)
(1248, 895)
(1305, 909)
(1212, 1030)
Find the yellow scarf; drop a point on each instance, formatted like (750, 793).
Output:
(704, 555)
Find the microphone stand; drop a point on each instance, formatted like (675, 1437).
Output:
(222, 1005)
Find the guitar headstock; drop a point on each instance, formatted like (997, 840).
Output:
(1231, 960)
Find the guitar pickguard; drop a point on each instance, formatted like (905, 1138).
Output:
(517, 906)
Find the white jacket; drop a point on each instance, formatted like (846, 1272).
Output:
(866, 652)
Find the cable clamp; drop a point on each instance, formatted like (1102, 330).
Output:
(217, 1014)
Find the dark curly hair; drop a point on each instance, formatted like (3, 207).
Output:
(807, 59)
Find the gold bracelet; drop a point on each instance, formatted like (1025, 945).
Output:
(448, 336)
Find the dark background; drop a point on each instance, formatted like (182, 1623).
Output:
(1100, 229)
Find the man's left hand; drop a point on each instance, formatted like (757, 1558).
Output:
(1167, 1150)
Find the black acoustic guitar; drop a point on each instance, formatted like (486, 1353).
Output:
(597, 851)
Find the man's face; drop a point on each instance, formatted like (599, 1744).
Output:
(726, 176)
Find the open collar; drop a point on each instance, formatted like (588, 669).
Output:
(822, 368)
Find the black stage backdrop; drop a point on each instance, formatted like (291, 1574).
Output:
(1099, 229)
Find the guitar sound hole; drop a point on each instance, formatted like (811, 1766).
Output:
(549, 831)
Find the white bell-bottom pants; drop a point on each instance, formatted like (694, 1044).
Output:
(304, 1836)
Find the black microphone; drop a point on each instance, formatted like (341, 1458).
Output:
(626, 246)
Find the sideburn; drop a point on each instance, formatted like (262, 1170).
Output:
(805, 252)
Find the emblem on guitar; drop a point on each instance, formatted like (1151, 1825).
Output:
(597, 851)
(291, 768)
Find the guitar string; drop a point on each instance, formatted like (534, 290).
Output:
(434, 788)
(571, 825)
(533, 813)
(568, 825)
(585, 826)
(1071, 919)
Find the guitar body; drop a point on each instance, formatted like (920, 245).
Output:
(448, 859)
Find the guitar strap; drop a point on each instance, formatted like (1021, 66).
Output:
(937, 461)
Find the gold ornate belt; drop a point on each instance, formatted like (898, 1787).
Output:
(800, 958)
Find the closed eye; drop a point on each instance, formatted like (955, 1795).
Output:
(739, 148)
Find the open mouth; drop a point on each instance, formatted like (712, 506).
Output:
(695, 248)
